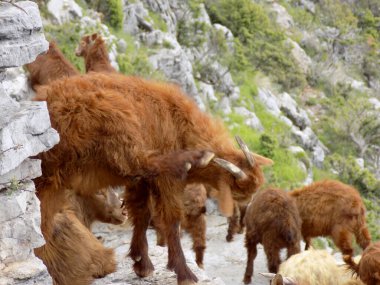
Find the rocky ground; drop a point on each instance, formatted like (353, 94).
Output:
(224, 262)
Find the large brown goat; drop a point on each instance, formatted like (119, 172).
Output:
(272, 219)
(50, 66)
(94, 51)
(368, 268)
(332, 208)
(118, 130)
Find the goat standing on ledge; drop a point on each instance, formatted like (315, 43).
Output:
(332, 208)
(94, 51)
(117, 130)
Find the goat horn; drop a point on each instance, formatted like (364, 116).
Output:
(187, 166)
(207, 157)
(247, 153)
(232, 168)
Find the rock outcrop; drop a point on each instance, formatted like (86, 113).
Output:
(24, 131)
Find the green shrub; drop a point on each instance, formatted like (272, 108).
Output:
(111, 9)
(350, 172)
(67, 42)
(263, 41)
(267, 145)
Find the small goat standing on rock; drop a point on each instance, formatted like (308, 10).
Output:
(94, 51)
(272, 219)
(332, 208)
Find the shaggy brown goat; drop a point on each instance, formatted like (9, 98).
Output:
(368, 268)
(272, 219)
(49, 66)
(69, 241)
(89, 259)
(94, 51)
(193, 220)
(236, 221)
(104, 207)
(332, 208)
(118, 130)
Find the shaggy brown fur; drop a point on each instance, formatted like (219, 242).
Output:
(272, 219)
(94, 51)
(332, 208)
(236, 221)
(193, 221)
(104, 207)
(50, 66)
(82, 263)
(118, 130)
(368, 268)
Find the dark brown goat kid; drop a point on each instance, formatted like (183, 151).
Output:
(145, 135)
(272, 219)
(94, 51)
(332, 208)
(368, 268)
(49, 67)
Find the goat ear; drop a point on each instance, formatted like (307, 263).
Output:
(262, 160)
(225, 201)
(277, 280)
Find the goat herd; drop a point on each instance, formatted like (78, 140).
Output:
(150, 138)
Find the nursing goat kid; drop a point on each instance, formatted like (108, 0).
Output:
(94, 51)
(49, 67)
(332, 208)
(71, 253)
(272, 219)
(193, 221)
(118, 130)
(236, 221)
(79, 264)
(368, 268)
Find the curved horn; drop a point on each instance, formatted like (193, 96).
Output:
(232, 168)
(207, 157)
(247, 153)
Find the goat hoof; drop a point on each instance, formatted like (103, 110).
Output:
(186, 282)
(247, 279)
(137, 258)
(229, 238)
(143, 268)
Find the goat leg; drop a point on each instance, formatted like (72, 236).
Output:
(177, 261)
(136, 202)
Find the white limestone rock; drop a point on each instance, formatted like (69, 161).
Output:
(25, 135)
(64, 10)
(21, 34)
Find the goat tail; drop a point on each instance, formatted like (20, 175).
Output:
(352, 266)
(363, 237)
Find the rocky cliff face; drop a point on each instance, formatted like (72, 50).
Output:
(24, 131)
